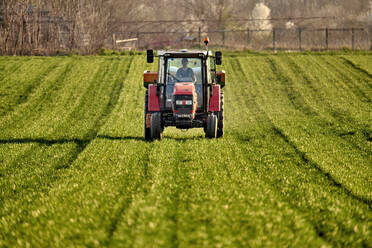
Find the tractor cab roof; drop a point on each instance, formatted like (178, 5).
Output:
(185, 53)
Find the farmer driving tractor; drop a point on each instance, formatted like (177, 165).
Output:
(185, 72)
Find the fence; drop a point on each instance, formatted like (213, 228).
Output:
(274, 39)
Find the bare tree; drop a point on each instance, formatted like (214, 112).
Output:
(44, 26)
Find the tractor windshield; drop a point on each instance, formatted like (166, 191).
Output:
(183, 70)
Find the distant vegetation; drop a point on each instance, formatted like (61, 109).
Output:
(293, 169)
(80, 26)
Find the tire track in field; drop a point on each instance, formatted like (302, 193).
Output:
(41, 142)
(345, 118)
(332, 111)
(358, 69)
(143, 185)
(17, 121)
(348, 81)
(34, 84)
(294, 96)
(81, 143)
(358, 76)
(165, 178)
(125, 202)
(133, 100)
(92, 134)
(319, 227)
(180, 177)
(309, 161)
(308, 111)
(324, 123)
(14, 68)
(18, 94)
(236, 64)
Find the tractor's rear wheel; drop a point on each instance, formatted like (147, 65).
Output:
(156, 128)
(147, 130)
(211, 130)
(220, 118)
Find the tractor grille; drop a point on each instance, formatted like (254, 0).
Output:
(183, 104)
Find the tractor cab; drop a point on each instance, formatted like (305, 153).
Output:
(182, 70)
(185, 92)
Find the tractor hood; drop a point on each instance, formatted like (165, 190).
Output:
(184, 104)
(184, 89)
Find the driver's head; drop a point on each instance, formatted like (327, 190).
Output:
(185, 61)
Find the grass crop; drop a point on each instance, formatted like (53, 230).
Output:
(293, 169)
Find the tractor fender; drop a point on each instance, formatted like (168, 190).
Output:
(215, 99)
(154, 104)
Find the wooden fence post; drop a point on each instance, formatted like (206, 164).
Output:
(300, 38)
(138, 40)
(248, 36)
(274, 39)
(113, 41)
(199, 37)
(353, 38)
(370, 38)
(326, 38)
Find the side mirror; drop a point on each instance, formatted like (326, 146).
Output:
(150, 56)
(218, 58)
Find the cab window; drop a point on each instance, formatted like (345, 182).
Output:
(183, 70)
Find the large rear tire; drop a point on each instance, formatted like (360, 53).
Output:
(211, 131)
(220, 119)
(147, 130)
(156, 128)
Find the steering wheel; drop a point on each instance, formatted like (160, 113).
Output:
(174, 77)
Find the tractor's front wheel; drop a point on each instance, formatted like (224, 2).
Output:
(211, 129)
(156, 128)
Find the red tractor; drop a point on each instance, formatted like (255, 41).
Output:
(185, 93)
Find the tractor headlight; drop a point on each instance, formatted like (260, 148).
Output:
(183, 102)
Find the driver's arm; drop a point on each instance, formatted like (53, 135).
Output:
(192, 75)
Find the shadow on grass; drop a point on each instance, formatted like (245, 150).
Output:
(49, 142)
(84, 142)
(107, 137)
(184, 139)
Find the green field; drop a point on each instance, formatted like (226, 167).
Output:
(293, 169)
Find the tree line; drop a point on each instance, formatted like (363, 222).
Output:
(47, 27)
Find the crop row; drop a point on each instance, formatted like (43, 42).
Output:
(293, 168)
